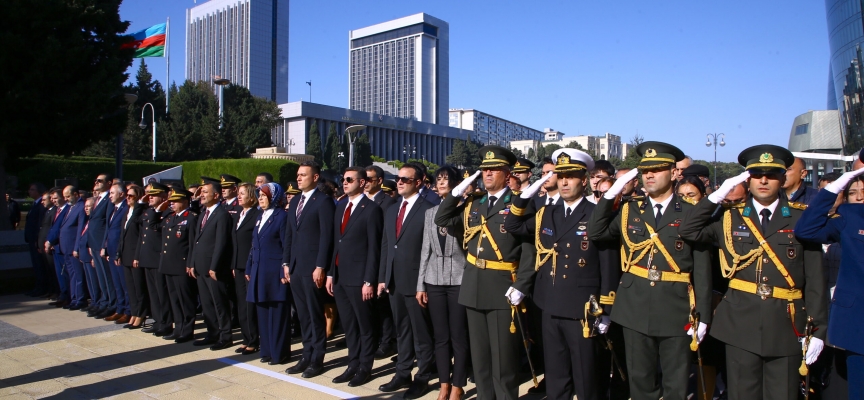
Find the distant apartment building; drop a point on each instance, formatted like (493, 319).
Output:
(491, 130)
(401, 68)
(604, 147)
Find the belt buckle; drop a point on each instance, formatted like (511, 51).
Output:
(764, 290)
(654, 275)
(480, 263)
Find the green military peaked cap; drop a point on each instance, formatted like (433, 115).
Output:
(658, 154)
(496, 156)
(766, 158)
(522, 165)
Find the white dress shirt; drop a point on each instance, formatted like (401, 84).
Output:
(264, 217)
(664, 205)
(572, 207)
(411, 200)
(771, 207)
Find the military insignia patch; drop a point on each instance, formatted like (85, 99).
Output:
(679, 245)
(581, 262)
(490, 155)
(650, 153)
(766, 158)
(746, 212)
(585, 245)
(178, 234)
(785, 212)
(581, 227)
(501, 229)
(546, 231)
(791, 253)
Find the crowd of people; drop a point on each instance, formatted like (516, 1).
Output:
(609, 285)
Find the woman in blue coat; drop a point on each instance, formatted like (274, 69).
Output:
(845, 325)
(267, 287)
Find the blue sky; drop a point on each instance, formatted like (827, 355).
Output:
(671, 71)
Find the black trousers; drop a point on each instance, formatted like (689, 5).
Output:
(609, 380)
(644, 353)
(413, 337)
(136, 287)
(450, 326)
(160, 301)
(385, 327)
(215, 304)
(181, 291)
(494, 353)
(274, 323)
(246, 312)
(309, 301)
(357, 318)
(755, 377)
(569, 358)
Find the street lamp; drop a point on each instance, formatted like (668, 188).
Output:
(341, 156)
(409, 149)
(290, 143)
(221, 82)
(309, 82)
(348, 131)
(712, 141)
(143, 126)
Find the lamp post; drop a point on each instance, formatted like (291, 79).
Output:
(348, 131)
(712, 141)
(341, 156)
(309, 82)
(221, 82)
(409, 149)
(290, 143)
(143, 126)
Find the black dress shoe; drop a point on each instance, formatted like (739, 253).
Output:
(265, 359)
(133, 327)
(540, 389)
(247, 351)
(346, 376)
(149, 329)
(170, 336)
(85, 308)
(181, 339)
(299, 367)
(417, 389)
(361, 378)
(280, 361)
(67, 306)
(240, 349)
(163, 332)
(384, 350)
(314, 370)
(104, 314)
(204, 342)
(94, 312)
(395, 384)
(222, 344)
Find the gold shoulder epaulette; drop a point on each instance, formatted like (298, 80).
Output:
(517, 192)
(733, 205)
(637, 198)
(688, 200)
(799, 206)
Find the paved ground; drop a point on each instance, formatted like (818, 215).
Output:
(53, 353)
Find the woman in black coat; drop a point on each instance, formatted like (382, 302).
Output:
(243, 229)
(136, 280)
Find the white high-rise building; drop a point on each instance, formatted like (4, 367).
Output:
(245, 41)
(401, 68)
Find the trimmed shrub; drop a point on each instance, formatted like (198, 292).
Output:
(246, 169)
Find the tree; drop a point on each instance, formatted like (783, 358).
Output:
(575, 145)
(249, 121)
(459, 156)
(632, 160)
(518, 153)
(362, 151)
(333, 148)
(531, 155)
(62, 78)
(313, 147)
(191, 132)
(550, 148)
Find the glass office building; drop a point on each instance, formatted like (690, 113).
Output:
(400, 68)
(846, 91)
(245, 41)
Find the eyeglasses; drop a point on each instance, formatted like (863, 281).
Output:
(131, 195)
(99, 180)
(350, 179)
(404, 179)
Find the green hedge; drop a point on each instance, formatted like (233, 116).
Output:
(46, 169)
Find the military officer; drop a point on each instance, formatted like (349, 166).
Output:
(660, 288)
(148, 255)
(229, 195)
(776, 281)
(176, 230)
(522, 171)
(571, 270)
(502, 272)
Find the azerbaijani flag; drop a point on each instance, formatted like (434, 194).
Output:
(149, 42)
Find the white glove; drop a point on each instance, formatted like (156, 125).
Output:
(727, 186)
(603, 324)
(535, 187)
(459, 190)
(619, 184)
(813, 350)
(841, 182)
(700, 332)
(514, 296)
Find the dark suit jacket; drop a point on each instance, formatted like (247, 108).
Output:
(176, 236)
(400, 256)
(149, 248)
(243, 237)
(234, 208)
(264, 261)
(99, 217)
(212, 247)
(34, 222)
(383, 200)
(359, 248)
(54, 233)
(430, 196)
(45, 229)
(804, 195)
(309, 241)
(116, 220)
(84, 247)
(130, 235)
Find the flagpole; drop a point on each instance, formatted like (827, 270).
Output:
(167, 63)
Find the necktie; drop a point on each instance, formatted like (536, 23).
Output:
(549, 203)
(346, 217)
(85, 228)
(492, 201)
(659, 215)
(204, 220)
(56, 214)
(113, 212)
(300, 206)
(569, 211)
(766, 215)
(400, 217)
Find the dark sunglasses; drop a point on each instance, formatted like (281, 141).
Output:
(404, 179)
(100, 181)
(131, 195)
(351, 180)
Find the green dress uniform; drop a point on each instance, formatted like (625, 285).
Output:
(665, 280)
(499, 260)
(775, 283)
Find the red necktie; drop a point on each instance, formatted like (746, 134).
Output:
(56, 214)
(400, 217)
(85, 228)
(346, 217)
(204, 221)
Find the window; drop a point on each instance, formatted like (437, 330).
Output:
(801, 129)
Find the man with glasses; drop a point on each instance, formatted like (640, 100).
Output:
(397, 276)
(501, 272)
(106, 303)
(374, 180)
(666, 280)
(385, 328)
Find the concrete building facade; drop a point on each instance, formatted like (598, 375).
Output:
(489, 129)
(605, 147)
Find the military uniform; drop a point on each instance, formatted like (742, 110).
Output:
(176, 231)
(660, 287)
(570, 271)
(232, 206)
(775, 283)
(148, 255)
(499, 260)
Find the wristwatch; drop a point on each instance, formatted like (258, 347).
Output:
(367, 284)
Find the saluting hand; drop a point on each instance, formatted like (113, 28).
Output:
(162, 206)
